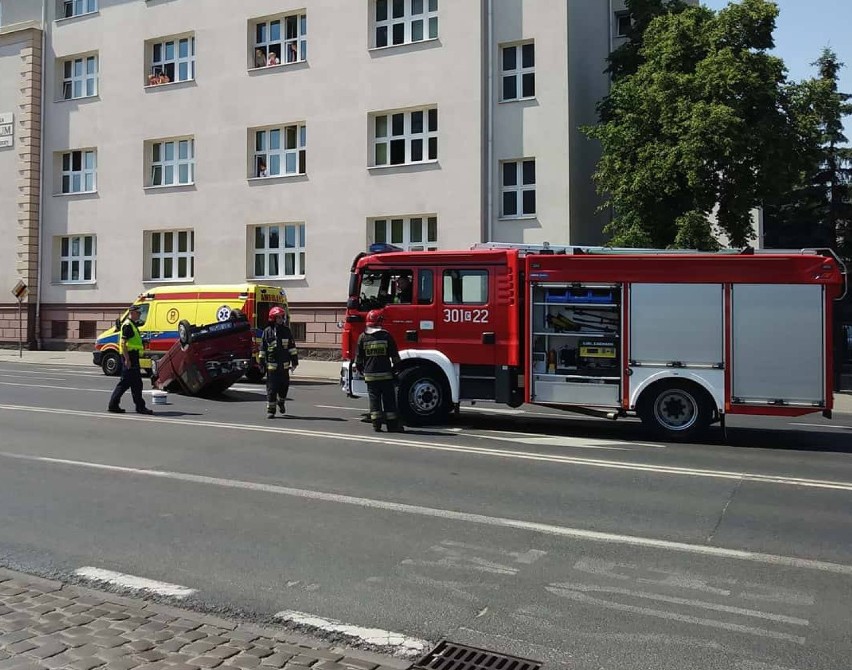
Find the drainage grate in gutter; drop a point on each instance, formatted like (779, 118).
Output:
(454, 656)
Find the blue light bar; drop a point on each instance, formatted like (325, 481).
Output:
(380, 248)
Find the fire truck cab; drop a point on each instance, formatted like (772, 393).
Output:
(678, 338)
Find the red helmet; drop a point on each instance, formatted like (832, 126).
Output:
(375, 318)
(275, 312)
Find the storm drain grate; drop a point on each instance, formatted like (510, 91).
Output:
(453, 656)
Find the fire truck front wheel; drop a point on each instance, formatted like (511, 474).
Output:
(676, 409)
(424, 397)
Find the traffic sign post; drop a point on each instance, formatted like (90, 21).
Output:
(20, 292)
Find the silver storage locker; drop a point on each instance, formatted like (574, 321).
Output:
(778, 343)
(680, 323)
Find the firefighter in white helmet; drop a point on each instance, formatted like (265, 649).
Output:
(376, 359)
(278, 351)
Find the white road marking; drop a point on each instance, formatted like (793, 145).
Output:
(452, 515)
(41, 378)
(61, 388)
(376, 636)
(820, 425)
(574, 593)
(437, 446)
(134, 583)
(689, 602)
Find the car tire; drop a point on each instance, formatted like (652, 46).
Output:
(184, 332)
(675, 410)
(111, 364)
(423, 396)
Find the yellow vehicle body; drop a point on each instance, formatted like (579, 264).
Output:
(162, 310)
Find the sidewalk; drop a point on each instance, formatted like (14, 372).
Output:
(46, 625)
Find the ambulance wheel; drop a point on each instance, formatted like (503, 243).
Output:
(423, 397)
(111, 365)
(675, 409)
(184, 331)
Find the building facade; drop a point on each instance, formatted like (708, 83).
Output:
(208, 141)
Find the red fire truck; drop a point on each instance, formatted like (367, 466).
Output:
(679, 338)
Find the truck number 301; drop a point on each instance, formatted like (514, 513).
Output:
(465, 316)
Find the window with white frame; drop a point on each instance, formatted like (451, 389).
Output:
(518, 180)
(79, 171)
(518, 71)
(172, 162)
(68, 8)
(415, 233)
(623, 23)
(79, 77)
(172, 60)
(281, 40)
(171, 255)
(278, 251)
(280, 151)
(398, 22)
(77, 256)
(405, 137)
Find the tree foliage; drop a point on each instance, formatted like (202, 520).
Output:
(818, 212)
(707, 123)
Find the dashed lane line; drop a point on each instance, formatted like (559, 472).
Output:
(133, 583)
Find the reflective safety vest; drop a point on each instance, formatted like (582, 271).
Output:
(133, 343)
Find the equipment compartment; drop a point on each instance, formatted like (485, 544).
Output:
(576, 351)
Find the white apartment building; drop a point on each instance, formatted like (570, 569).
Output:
(216, 141)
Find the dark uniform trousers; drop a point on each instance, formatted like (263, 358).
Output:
(382, 396)
(277, 386)
(131, 378)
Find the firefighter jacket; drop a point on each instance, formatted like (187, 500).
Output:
(377, 356)
(278, 349)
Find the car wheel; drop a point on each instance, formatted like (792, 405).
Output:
(111, 365)
(423, 397)
(676, 410)
(184, 331)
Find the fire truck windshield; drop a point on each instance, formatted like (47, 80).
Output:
(380, 287)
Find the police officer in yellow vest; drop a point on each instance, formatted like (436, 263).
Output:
(130, 347)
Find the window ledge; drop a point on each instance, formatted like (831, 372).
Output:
(277, 177)
(66, 19)
(82, 98)
(287, 278)
(404, 44)
(157, 282)
(531, 98)
(185, 82)
(167, 186)
(253, 70)
(75, 193)
(74, 283)
(402, 165)
(522, 217)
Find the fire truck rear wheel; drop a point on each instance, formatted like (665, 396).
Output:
(423, 397)
(676, 410)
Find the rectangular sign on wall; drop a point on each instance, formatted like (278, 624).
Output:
(7, 130)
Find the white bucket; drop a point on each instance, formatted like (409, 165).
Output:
(160, 397)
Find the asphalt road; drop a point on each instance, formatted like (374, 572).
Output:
(571, 541)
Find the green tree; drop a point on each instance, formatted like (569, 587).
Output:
(818, 212)
(707, 123)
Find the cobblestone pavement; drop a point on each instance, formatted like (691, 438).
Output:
(48, 625)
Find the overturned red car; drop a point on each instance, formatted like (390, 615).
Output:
(207, 359)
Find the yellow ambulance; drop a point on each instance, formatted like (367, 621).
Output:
(166, 309)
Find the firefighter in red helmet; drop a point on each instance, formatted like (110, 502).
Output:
(278, 352)
(377, 358)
